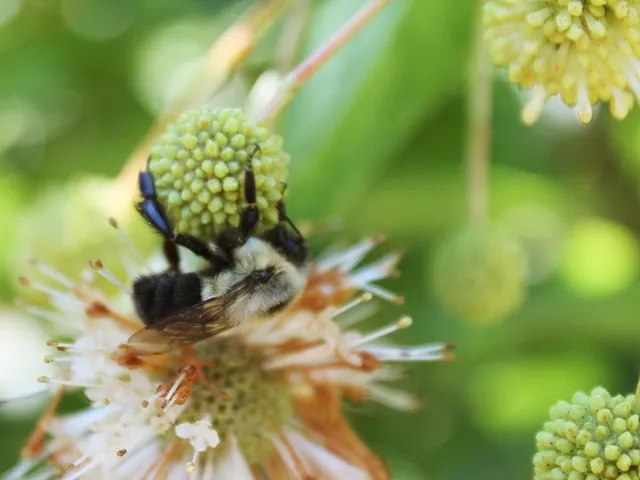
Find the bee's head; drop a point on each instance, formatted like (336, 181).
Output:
(274, 279)
(291, 245)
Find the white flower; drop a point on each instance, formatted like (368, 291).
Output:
(200, 435)
(284, 377)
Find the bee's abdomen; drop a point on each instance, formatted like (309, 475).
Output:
(156, 296)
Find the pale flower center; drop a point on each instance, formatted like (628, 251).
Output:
(260, 401)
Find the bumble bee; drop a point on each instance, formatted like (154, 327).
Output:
(247, 276)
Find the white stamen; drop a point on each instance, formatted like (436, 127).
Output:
(129, 243)
(20, 470)
(78, 462)
(289, 460)
(347, 259)
(404, 322)
(71, 346)
(423, 353)
(63, 359)
(583, 107)
(51, 292)
(48, 474)
(170, 401)
(381, 292)
(353, 317)
(49, 316)
(151, 399)
(393, 398)
(317, 355)
(67, 383)
(533, 108)
(190, 467)
(77, 473)
(383, 268)
(365, 297)
(53, 274)
(110, 277)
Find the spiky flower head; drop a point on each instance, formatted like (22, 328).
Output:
(585, 51)
(70, 220)
(199, 164)
(264, 397)
(592, 437)
(480, 275)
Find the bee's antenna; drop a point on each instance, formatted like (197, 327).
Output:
(282, 213)
(256, 149)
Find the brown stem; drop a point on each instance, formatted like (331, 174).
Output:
(303, 72)
(479, 131)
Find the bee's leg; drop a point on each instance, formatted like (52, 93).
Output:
(188, 354)
(150, 208)
(153, 212)
(170, 250)
(250, 215)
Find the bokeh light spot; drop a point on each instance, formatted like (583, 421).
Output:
(167, 60)
(601, 258)
(8, 10)
(514, 396)
(22, 347)
(97, 19)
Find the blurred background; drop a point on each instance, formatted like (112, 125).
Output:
(383, 128)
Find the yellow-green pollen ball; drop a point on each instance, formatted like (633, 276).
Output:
(260, 401)
(198, 166)
(594, 437)
(479, 275)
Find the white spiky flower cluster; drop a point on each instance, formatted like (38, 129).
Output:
(282, 381)
(585, 51)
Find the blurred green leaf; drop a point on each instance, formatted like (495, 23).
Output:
(341, 130)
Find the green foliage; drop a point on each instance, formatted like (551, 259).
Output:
(377, 138)
(480, 274)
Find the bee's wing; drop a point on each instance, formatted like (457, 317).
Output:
(187, 326)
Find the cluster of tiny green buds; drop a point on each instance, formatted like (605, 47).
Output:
(258, 399)
(480, 275)
(594, 437)
(199, 163)
(583, 50)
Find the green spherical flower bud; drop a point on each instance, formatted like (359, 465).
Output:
(199, 163)
(479, 275)
(595, 446)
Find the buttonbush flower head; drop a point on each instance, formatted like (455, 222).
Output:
(198, 165)
(592, 437)
(585, 51)
(480, 275)
(263, 397)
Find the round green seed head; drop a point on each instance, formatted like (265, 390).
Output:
(259, 400)
(199, 163)
(596, 445)
(479, 275)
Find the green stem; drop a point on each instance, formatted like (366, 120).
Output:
(479, 130)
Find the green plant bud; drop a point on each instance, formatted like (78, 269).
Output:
(479, 275)
(595, 437)
(200, 161)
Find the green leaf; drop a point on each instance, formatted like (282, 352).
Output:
(366, 102)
